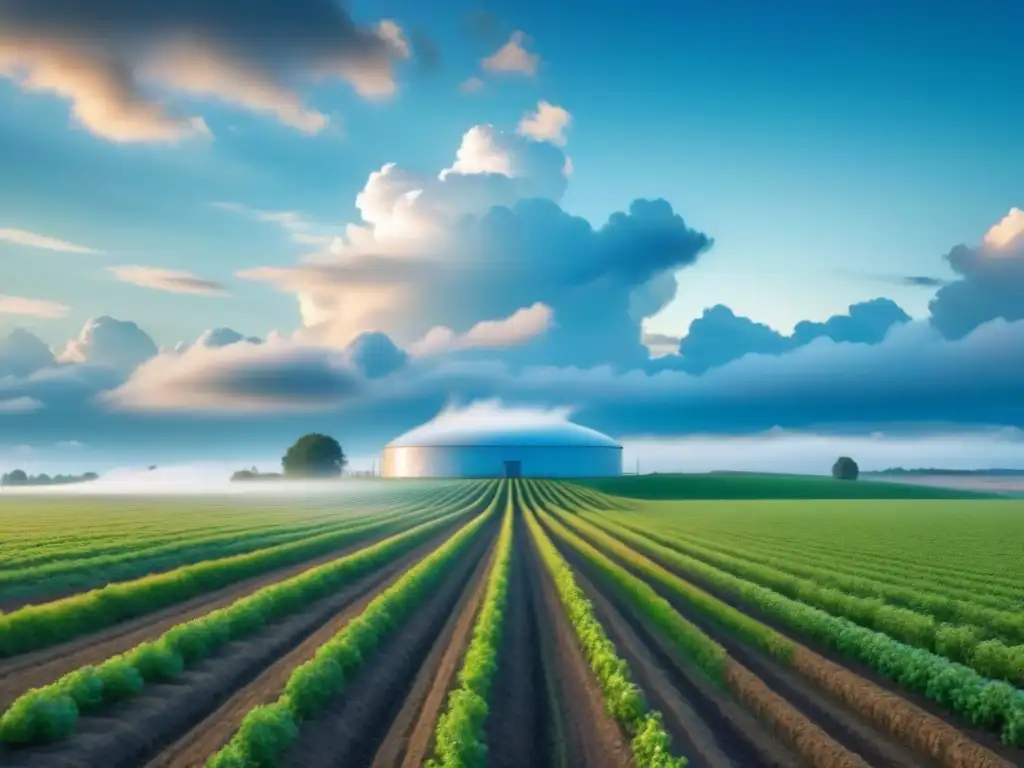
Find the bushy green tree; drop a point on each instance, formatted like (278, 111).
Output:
(314, 455)
(845, 468)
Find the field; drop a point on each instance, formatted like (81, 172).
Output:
(636, 622)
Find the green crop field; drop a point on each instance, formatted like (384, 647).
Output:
(754, 486)
(636, 622)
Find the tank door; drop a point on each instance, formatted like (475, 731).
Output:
(513, 469)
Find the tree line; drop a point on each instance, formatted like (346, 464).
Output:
(20, 477)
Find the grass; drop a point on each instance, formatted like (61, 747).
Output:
(752, 486)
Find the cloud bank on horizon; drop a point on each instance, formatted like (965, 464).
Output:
(467, 283)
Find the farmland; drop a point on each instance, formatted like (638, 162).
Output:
(515, 623)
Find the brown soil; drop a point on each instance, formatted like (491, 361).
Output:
(216, 694)
(518, 727)
(591, 739)
(899, 717)
(410, 739)
(705, 723)
(928, 734)
(847, 730)
(352, 729)
(32, 670)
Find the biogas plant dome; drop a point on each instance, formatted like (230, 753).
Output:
(526, 446)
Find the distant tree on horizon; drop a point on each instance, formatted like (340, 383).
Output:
(845, 468)
(314, 455)
(16, 477)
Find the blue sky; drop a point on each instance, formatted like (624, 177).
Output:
(829, 150)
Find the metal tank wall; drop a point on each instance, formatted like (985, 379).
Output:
(489, 461)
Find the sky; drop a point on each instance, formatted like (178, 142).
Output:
(672, 218)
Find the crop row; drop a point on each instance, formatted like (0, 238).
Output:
(989, 703)
(885, 551)
(865, 575)
(132, 544)
(459, 738)
(55, 576)
(133, 540)
(971, 645)
(268, 731)
(50, 713)
(807, 739)
(650, 743)
(39, 626)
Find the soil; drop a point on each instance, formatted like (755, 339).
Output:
(183, 723)
(589, 737)
(518, 727)
(845, 728)
(32, 670)
(410, 740)
(353, 728)
(709, 727)
(867, 676)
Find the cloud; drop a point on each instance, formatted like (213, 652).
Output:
(110, 343)
(661, 344)
(241, 378)
(455, 419)
(298, 226)
(719, 336)
(17, 305)
(1006, 233)
(170, 280)
(513, 58)
(22, 353)
(33, 240)
(120, 62)
(547, 123)
(214, 338)
(471, 85)
(375, 356)
(990, 280)
(489, 230)
(518, 328)
(911, 380)
(20, 405)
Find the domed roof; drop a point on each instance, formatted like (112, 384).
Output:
(521, 433)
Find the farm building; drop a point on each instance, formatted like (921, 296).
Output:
(554, 449)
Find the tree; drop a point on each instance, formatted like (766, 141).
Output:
(845, 468)
(314, 455)
(15, 477)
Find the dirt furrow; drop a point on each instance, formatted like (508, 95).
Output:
(182, 723)
(591, 738)
(862, 677)
(518, 726)
(410, 739)
(707, 725)
(352, 729)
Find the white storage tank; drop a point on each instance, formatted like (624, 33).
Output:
(560, 449)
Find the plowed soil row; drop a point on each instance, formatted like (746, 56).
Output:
(858, 673)
(400, 690)
(588, 737)
(410, 739)
(43, 667)
(519, 727)
(184, 722)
